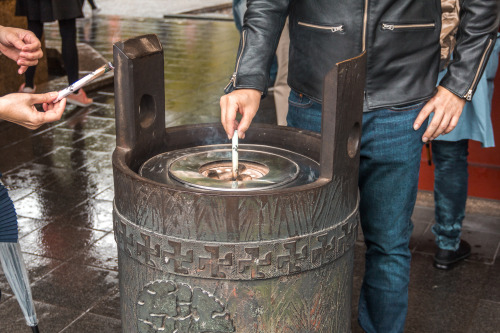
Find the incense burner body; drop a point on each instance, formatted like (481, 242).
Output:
(197, 259)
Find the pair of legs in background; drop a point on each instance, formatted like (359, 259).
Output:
(450, 196)
(69, 51)
(449, 154)
(388, 182)
(67, 30)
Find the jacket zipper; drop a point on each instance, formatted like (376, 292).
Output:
(322, 27)
(468, 96)
(365, 21)
(386, 26)
(233, 77)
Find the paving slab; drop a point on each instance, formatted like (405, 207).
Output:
(51, 318)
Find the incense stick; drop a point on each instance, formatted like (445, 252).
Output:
(83, 81)
(235, 155)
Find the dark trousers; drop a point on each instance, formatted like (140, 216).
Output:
(67, 30)
(450, 191)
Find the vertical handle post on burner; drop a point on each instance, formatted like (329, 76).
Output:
(343, 94)
(139, 95)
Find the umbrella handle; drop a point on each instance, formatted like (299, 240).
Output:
(35, 329)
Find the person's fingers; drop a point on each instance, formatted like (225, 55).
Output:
(26, 59)
(22, 69)
(442, 126)
(23, 65)
(229, 108)
(433, 125)
(232, 108)
(453, 124)
(26, 62)
(245, 122)
(223, 112)
(31, 56)
(54, 111)
(31, 43)
(446, 107)
(43, 98)
(17, 42)
(244, 101)
(423, 115)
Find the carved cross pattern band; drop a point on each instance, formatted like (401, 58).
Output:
(235, 261)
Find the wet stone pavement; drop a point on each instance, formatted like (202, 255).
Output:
(60, 178)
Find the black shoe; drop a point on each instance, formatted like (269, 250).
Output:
(444, 259)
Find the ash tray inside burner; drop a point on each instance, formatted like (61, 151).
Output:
(222, 170)
(209, 168)
(212, 170)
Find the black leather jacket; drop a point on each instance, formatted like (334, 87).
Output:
(401, 38)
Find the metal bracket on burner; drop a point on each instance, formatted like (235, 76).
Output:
(139, 95)
(342, 113)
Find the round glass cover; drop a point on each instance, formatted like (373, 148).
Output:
(209, 167)
(212, 170)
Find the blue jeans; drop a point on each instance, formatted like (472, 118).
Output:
(388, 182)
(450, 191)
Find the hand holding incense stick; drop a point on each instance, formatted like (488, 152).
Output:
(235, 155)
(83, 81)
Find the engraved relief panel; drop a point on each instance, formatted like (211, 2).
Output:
(166, 306)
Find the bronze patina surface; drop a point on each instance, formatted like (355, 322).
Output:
(210, 260)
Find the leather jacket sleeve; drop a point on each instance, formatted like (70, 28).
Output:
(263, 22)
(476, 35)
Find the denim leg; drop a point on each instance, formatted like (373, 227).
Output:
(450, 191)
(388, 181)
(303, 112)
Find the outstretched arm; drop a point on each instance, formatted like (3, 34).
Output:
(20, 45)
(20, 109)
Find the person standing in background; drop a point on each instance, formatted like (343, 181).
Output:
(281, 87)
(450, 151)
(65, 12)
